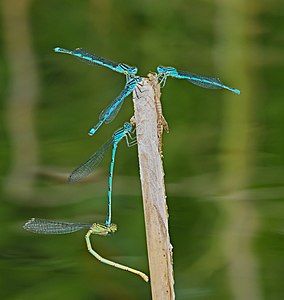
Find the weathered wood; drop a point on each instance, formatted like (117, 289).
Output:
(153, 192)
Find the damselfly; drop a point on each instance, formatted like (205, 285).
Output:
(109, 114)
(94, 59)
(200, 80)
(91, 163)
(44, 226)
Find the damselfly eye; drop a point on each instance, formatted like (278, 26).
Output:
(127, 126)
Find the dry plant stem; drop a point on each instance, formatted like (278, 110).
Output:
(161, 121)
(153, 192)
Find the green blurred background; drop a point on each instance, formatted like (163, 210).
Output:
(223, 157)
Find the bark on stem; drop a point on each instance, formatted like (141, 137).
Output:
(153, 192)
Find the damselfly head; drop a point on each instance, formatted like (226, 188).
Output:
(127, 126)
(161, 69)
(112, 228)
(162, 75)
(165, 70)
(102, 229)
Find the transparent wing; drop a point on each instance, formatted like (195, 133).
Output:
(90, 164)
(109, 113)
(114, 113)
(44, 226)
(206, 81)
(203, 81)
(91, 58)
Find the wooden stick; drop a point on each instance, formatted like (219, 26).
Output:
(153, 192)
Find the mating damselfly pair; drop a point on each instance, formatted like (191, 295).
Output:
(43, 226)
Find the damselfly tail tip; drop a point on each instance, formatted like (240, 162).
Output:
(61, 50)
(236, 91)
(91, 132)
(57, 49)
(146, 278)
